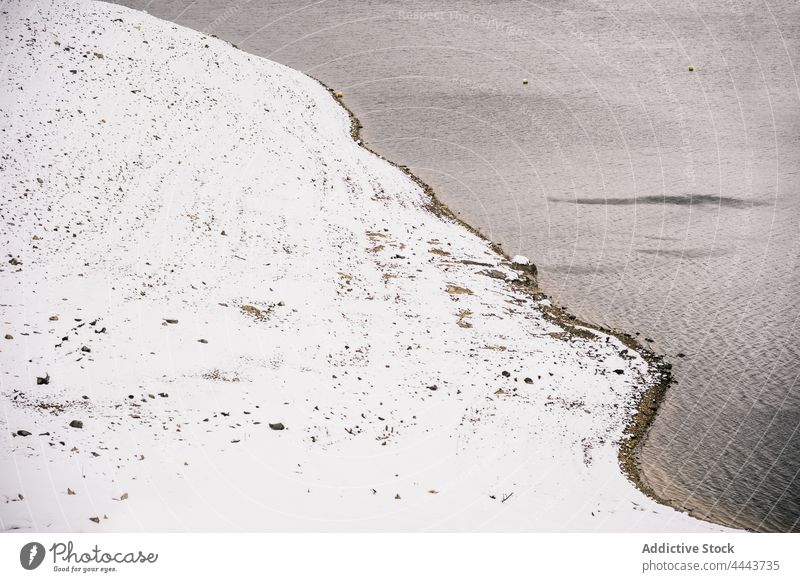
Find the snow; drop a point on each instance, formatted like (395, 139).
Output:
(201, 250)
(520, 260)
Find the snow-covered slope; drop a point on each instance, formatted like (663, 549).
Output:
(256, 321)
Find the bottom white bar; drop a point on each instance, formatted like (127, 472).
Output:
(389, 557)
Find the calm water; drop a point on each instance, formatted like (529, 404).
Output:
(652, 198)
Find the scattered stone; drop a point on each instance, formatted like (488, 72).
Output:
(172, 321)
(76, 424)
(163, 394)
(9, 336)
(86, 349)
(70, 491)
(397, 496)
(203, 341)
(529, 380)
(45, 380)
(618, 371)
(434, 387)
(276, 426)
(53, 318)
(95, 519)
(456, 290)
(23, 433)
(520, 260)
(506, 373)
(494, 274)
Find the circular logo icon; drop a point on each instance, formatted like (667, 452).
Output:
(31, 555)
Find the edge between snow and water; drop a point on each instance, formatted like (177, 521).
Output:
(646, 402)
(644, 399)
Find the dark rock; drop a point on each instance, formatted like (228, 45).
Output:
(45, 380)
(9, 336)
(476, 263)
(76, 424)
(506, 373)
(618, 371)
(529, 380)
(173, 321)
(85, 349)
(23, 433)
(494, 274)
(203, 341)
(276, 426)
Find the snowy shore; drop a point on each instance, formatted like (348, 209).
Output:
(221, 313)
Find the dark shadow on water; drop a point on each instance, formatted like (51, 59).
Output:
(698, 200)
(686, 253)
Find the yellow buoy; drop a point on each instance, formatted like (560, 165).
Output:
(339, 94)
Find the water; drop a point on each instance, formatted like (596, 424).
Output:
(653, 199)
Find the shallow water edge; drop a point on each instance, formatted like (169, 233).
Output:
(644, 406)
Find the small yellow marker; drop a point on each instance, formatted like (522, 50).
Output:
(339, 94)
(691, 69)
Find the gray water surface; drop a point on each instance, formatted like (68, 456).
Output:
(653, 199)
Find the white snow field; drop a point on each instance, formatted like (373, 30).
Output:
(256, 322)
